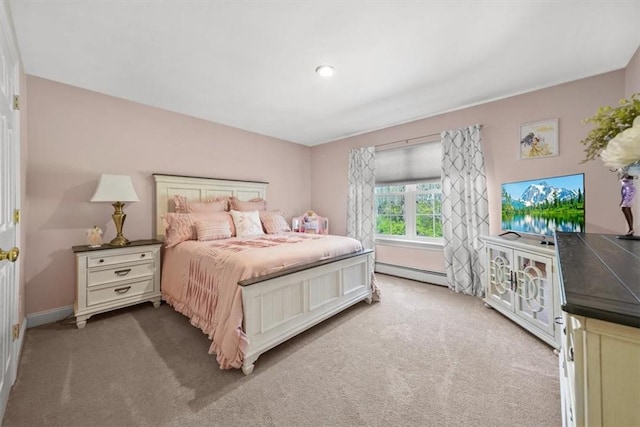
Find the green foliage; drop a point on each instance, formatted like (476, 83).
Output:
(507, 207)
(569, 210)
(429, 225)
(608, 123)
(390, 215)
(391, 211)
(393, 225)
(390, 219)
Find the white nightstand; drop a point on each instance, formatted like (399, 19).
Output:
(111, 277)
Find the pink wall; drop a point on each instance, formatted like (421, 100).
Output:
(569, 102)
(75, 135)
(632, 75)
(431, 259)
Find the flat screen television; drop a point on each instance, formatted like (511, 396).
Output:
(542, 206)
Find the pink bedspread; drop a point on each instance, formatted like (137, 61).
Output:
(200, 279)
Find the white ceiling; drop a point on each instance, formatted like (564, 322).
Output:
(250, 64)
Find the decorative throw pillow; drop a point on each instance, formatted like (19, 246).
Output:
(247, 223)
(256, 204)
(182, 205)
(210, 206)
(178, 228)
(274, 222)
(223, 216)
(212, 230)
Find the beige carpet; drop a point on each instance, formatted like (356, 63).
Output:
(424, 356)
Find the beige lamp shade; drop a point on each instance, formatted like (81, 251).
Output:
(115, 188)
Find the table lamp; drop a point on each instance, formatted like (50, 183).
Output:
(118, 190)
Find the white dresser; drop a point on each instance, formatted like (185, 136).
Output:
(111, 277)
(522, 284)
(599, 277)
(600, 373)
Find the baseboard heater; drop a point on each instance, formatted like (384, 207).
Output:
(432, 277)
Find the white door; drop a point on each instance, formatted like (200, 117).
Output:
(9, 202)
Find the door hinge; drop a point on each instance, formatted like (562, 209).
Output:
(16, 102)
(16, 331)
(16, 216)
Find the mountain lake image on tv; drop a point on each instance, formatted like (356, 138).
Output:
(542, 206)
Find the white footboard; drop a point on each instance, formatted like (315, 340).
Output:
(280, 307)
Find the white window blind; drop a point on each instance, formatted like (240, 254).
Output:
(415, 163)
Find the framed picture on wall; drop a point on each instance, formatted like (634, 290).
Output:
(539, 139)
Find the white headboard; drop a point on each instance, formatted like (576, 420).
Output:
(199, 189)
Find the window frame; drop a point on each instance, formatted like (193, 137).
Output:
(410, 194)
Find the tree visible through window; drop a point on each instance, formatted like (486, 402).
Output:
(390, 212)
(409, 211)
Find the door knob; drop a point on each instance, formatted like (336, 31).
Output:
(11, 254)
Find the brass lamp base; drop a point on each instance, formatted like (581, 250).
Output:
(119, 241)
(118, 218)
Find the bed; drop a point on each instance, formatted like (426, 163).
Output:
(251, 293)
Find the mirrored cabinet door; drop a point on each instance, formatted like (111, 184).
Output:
(534, 299)
(499, 288)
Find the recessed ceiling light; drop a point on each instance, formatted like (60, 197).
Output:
(325, 70)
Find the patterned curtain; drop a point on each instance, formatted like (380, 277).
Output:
(360, 205)
(465, 209)
(362, 181)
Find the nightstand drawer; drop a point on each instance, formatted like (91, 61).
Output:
(119, 291)
(112, 277)
(97, 276)
(96, 261)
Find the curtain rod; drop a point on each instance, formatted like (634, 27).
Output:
(406, 141)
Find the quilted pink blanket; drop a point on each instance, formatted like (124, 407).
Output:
(200, 280)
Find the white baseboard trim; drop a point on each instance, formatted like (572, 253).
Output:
(432, 277)
(48, 316)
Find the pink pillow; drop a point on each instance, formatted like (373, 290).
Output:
(178, 228)
(180, 203)
(223, 216)
(209, 206)
(257, 204)
(274, 222)
(213, 229)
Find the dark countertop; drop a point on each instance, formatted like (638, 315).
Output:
(85, 248)
(600, 276)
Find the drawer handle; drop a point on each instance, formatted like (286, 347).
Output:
(570, 354)
(122, 272)
(101, 261)
(143, 255)
(122, 290)
(558, 320)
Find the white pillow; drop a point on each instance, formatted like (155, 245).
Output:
(247, 223)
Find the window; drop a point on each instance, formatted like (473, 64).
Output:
(409, 211)
(408, 196)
